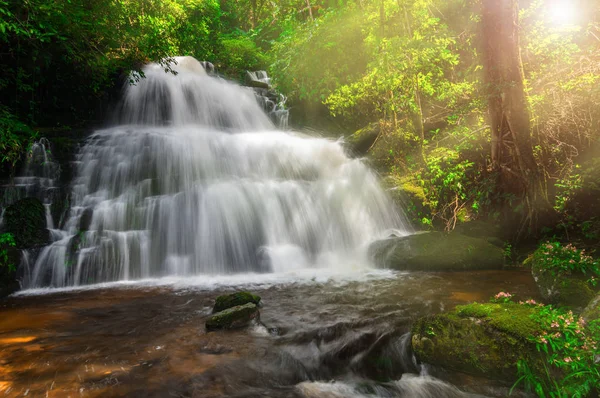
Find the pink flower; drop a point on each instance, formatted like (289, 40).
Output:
(568, 359)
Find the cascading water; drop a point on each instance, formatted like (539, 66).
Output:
(197, 180)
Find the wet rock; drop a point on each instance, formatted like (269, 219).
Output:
(436, 251)
(360, 142)
(479, 339)
(26, 221)
(85, 221)
(592, 311)
(409, 196)
(233, 318)
(568, 290)
(232, 300)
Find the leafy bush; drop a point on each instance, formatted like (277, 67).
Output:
(238, 54)
(570, 347)
(6, 240)
(562, 260)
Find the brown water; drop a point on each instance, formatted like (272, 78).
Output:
(149, 341)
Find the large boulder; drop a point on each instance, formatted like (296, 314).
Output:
(480, 339)
(234, 317)
(592, 311)
(232, 300)
(568, 290)
(436, 251)
(26, 221)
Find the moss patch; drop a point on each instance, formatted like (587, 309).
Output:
(480, 339)
(566, 290)
(232, 300)
(232, 318)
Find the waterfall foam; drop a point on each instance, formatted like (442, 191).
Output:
(197, 180)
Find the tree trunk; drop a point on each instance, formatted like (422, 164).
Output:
(512, 151)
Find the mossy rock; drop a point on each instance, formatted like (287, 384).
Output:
(233, 318)
(231, 300)
(26, 220)
(436, 251)
(363, 139)
(592, 311)
(479, 339)
(409, 196)
(567, 290)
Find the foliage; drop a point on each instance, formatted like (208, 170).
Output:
(571, 349)
(6, 240)
(238, 53)
(566, 260)
(15, 136)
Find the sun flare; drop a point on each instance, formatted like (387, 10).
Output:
(564, 12)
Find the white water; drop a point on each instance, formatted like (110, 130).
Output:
(197, 181)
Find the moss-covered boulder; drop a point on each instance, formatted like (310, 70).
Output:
(592, 311)
(436, 251)
(409, 196)
(569, 290)
(479, 339)
(26, 221)
(232, 300)
(234, 317)
(360, 142)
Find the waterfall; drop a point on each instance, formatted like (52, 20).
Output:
(196, 179)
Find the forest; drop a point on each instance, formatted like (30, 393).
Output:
(478, 116)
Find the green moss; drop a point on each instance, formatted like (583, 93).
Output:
(566, 290)
(480, 339)
(231, 300)
(511, 318)
(231, 318)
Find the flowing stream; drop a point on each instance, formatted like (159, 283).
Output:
(196, 180)
(326, 335)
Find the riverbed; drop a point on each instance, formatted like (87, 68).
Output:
(322, 335)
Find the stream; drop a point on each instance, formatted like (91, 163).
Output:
(327, 334)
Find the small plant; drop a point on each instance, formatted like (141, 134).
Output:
(507, 251)
(570, 351)
(6, 239)
(502, 297)
(562, 260)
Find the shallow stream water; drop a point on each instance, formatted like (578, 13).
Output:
(325, 335)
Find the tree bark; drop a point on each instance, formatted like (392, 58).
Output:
(512, 151)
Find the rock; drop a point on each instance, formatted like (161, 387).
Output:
(231, 300)
(85, 220)
(568, 290)
(26, 221)
(480, 229)
(409, 196)
(360, 142)
(480, 339)
(436, 251)
(233, 318)
(592, 311)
